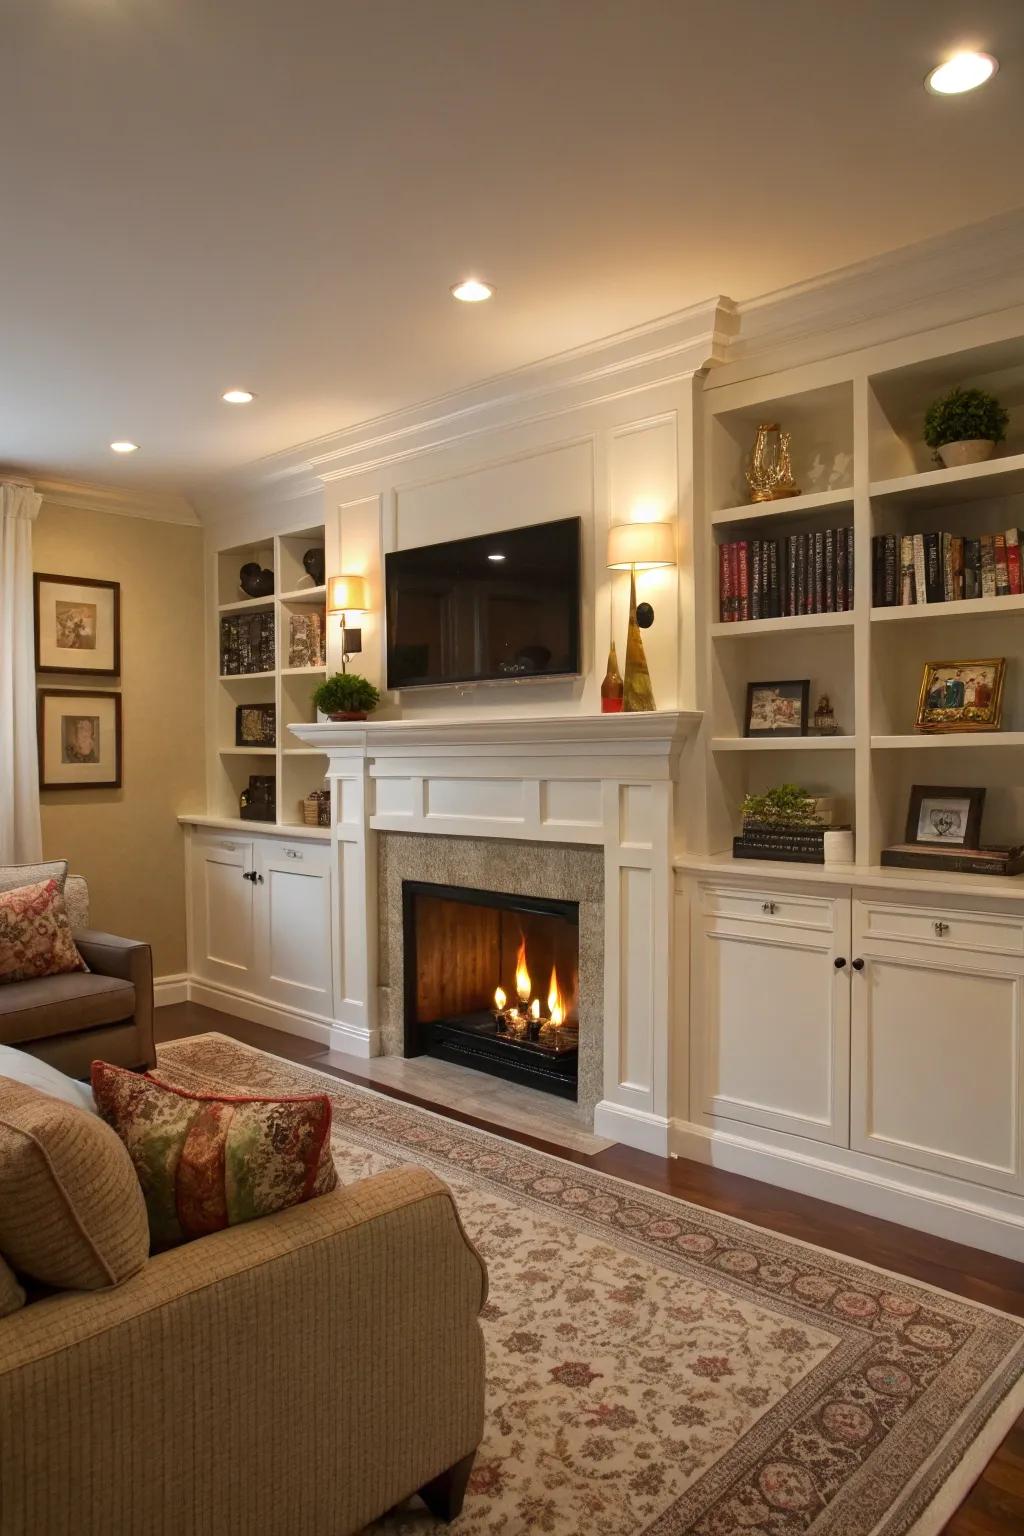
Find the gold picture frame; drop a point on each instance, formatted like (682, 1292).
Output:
(961, 695)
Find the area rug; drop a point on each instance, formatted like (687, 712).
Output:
(656, 1369)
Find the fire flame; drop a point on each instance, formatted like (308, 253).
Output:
(535, 1008)
(499, 998)
(556, 1002)
(523, 983)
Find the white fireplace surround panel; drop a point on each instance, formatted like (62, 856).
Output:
(605, 780)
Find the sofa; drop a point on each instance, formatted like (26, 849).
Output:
(298, 1375)
(69, 1020)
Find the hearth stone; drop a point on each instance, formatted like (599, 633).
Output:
(555, 871)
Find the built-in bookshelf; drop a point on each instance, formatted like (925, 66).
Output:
(293, 623)
(859, 457)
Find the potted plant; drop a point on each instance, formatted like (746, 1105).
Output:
(786, 806)
(964, 426)
(346, 696)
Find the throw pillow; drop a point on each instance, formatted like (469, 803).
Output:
(35, 935)
(12, 1297)
(207, 1160)
(13, 875)
(71, 1212)
(20, 1067)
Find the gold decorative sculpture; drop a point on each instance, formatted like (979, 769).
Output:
(770, 473)
(637, 693)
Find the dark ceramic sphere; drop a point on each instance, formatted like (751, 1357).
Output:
(316, 565)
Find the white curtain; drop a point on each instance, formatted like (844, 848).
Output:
(20, 835)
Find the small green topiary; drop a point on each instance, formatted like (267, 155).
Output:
(346, 693)
(786, 806)
(965, 415)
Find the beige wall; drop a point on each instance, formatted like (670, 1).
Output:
(127, 842)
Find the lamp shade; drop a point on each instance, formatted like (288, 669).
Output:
(347, 594)
(643, 545)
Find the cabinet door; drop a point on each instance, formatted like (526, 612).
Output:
(772, 1015)
(222, 911)
(936, 1058)
(294, 924)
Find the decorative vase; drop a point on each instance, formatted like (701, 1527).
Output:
(255, 580)
(637, 693)
(348, 714)
(315, 565)
(971, 450)
(612, 686)
(770, 471)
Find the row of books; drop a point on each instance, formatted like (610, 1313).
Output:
(912, 568)
(246, 643)
(775, 578)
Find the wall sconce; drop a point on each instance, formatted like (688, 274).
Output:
(345, 595)
(635, 547)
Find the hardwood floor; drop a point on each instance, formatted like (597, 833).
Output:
(995, 1505)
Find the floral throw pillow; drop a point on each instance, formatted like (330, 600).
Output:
(35, 935)
(207, 1161)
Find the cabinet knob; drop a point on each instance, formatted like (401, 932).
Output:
(769, 907)
(229, 846)
(858, 965)
(249, 874)
(941, 929)
(839, 962)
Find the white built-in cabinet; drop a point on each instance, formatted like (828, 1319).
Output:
(261, 918)
(885, 1023)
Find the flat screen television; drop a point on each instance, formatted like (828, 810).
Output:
(496, 607)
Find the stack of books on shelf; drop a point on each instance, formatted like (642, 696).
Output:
(246, 643)
(776, 578)
(912, 568)
(794, 845)
(961, 861)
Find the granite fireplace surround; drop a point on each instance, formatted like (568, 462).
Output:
(554, 870)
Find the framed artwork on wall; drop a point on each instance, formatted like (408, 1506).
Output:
(77, 625)
(79, 739)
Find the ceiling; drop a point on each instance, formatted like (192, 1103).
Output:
(278, 194)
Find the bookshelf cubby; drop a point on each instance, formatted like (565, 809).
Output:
(860, 459)
(297, 770)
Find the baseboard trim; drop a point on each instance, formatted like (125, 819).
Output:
(355, 1040)
(170, 989)
(633, 1127)
(959, 1218)
(274, 1015)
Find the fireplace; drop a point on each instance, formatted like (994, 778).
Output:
(492, 982)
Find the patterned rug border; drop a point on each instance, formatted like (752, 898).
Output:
(927, 1498)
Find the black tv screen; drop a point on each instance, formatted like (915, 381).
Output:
(497, 606)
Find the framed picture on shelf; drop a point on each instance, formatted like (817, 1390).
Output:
(79, 739)
(256, 725)
(944, 817)
(777, 709)
(961, 695)
(77, 625)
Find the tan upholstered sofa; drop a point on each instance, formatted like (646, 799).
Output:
(296, 1376)
(71, 1020)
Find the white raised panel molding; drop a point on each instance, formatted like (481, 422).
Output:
(604, 780)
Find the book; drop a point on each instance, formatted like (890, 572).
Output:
(1002, 573)
(742, 580)
(988, 566)
(756, 580)
(932, 568)
(791, 608)
(1013, 561)
(906, 571)
(817, 585)
(849, 568)
(830, 571)
(972, 567)
(801, 573)
(947, 568)
(725, 613)
(920, 583)
(774, 585)
(966, 861)
(842, 592)
(956, 552)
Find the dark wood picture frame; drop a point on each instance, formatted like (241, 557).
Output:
(38, 578)
(268, 737)
(973, 795)
(790, 683)
(80, 695)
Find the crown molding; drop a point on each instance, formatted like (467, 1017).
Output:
(967, 272)
(672, 347)
(154, 506)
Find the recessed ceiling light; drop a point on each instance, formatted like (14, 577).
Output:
(238, 396)
(471, 291)
(495, 557)
(125, 447)
(963, 72)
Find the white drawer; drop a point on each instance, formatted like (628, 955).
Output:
(780, 908)
(990, 933)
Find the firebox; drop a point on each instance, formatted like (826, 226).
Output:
(492, 982)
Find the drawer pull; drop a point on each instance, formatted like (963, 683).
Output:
(229, 846)
(858, 965)
(941, 929)
(249, 874)
(769, 907)
(292, 853)
(839, 962)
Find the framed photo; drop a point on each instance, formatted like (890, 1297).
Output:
(961, 695)
(256, 725)
(944, 817)
(78, 625)
(777, 709)
(79, 739)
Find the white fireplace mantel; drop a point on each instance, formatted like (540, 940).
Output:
(605, 780)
